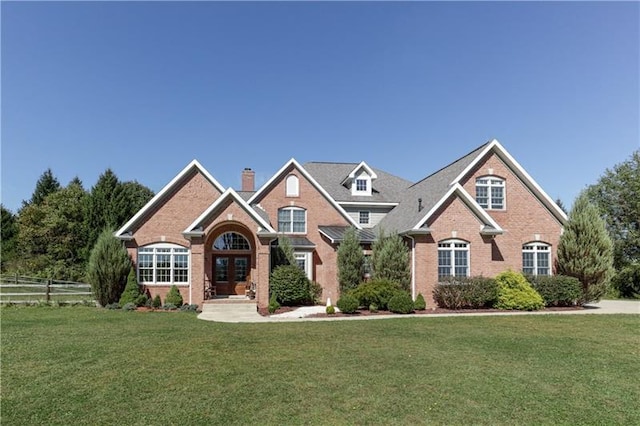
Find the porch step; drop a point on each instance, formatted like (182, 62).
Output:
(231, 310)
(226, 300)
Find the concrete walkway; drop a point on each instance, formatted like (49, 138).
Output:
(247, 312)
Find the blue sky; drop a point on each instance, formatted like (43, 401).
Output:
(144, 88)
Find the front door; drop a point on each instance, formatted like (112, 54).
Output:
(230, 272)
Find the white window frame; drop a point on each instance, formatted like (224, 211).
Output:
(537, 248)
(452, 247)
(292, 186)
(304, 256)
(163, 249)
(362, 177)
(367, 213)
(290, 221)
(490, 183)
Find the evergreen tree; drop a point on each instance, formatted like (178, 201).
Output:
(131, 293)
(282, 253)
(46, 184)
(350, 261)
(585, 250)
(109, 265)
(561, 205)
(390, 260)
(100, 214)
(9, 231)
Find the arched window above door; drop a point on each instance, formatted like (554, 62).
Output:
(231, 241)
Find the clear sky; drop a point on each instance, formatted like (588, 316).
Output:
(144, 88)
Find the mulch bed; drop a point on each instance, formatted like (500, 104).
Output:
(434, 311)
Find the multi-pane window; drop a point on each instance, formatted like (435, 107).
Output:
(292, 220)
(361, 185)
(363, 218)
(536, 259)
(303, 260)
(453, 258)
(163, 264)
(490, 192)
(231, 241)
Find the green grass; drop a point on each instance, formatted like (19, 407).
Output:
(79, 365)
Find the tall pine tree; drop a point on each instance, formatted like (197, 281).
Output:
(390, 260)
(46, 184)
(350, 261)
(585, 250)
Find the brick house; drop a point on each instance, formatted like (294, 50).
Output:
(480, 215)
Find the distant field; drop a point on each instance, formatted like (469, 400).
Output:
(80, 365)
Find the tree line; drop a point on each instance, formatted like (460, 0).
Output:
(52, 233)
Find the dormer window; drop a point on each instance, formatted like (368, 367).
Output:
(360, 179)
(490, 192)
(361, 185)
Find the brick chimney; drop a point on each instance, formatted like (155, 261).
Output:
(248, 179)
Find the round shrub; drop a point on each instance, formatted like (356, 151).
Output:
(290, 285)
(129, 307)
(173, 297)
(169, 307)
(373, 307)
(376, 292)
(514, 292)
(466, 292)
(347, 304)
(401, 303)
(331, 310)
(557, 290)
(131, 291)
(419, 304)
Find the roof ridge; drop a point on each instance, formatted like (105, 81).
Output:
(451, 164)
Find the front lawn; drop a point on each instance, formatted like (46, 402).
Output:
(80, 365)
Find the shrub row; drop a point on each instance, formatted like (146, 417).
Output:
(381, 294)
(556, 290)
(466, 292)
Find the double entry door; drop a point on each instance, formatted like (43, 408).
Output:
(231, 273)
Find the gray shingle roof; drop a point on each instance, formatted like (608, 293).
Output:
(386, 188)
(430, 189)
(336, 233)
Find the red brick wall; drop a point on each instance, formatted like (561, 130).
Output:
(524, 217)
(168, 219)
(320, 212)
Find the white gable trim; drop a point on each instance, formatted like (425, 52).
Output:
(122, 232)
(520, 172)
(458, 190)
(192, 230)
(310, 178)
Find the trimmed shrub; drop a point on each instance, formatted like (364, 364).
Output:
(331, 310)
(156, 302)
(112, 306)
(189, 308)
(315, 291)
(514, 292)
(142, 300)
(273, 304)
(401, 303)
(129, 306)
(556, 290)
(290, 285)
(376, 292)
(173, 297)
(347, 304)
(169, 307)
(373, 307)
(419, 304)
(131, 290)
(466, 292)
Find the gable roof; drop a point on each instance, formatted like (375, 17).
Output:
(435, 189)
(122, 233)
(372, 174)
(284, 169)
(386, 187)
(195, 228)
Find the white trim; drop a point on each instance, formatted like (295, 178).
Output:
(520, 172)
(368, 217)
(294, 190)
(152, 249)
(467, 199)
(367, 169)
(193, 164)
(413, 267)
(327, 236)
(452, 248)
(489, 186)
(189, 231)
(310, 178)
(307, 262)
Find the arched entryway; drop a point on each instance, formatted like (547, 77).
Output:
(231, 263)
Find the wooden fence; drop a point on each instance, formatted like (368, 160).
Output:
(21, 289)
